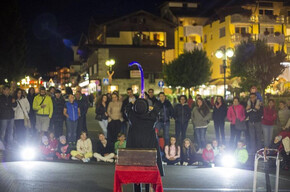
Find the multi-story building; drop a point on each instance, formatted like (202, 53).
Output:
(141, 37)
(189, 19)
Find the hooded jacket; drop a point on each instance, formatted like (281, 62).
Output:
(166, 111)
(182, 113)
(241, 155)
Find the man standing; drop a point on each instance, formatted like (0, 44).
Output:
(130, 99)
(85, 101)
(255, 128)
(43, 106)
(151, 96)
(57, 116)
(7, 103)
(83, 105)
(166, 113)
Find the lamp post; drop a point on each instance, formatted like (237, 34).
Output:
(224, 54)
(110, 72)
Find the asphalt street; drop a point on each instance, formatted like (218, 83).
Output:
(76, 176)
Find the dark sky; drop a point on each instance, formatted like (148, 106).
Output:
(50, 23)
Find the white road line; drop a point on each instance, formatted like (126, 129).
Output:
(220, 189)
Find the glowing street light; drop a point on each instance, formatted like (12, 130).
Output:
(224, 54)
(110, 73)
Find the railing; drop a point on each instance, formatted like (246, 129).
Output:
(192, 46)
(287, 39)
(273, 38)
(192, 30)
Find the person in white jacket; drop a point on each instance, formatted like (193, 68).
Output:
(20, 112)
(84, 150)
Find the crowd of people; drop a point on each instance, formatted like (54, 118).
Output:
(43, 115)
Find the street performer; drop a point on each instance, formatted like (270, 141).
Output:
(141, 133)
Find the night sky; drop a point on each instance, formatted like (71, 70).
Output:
(52, 26)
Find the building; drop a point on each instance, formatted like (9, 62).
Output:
(141, 37)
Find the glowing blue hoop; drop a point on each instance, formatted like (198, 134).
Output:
(142, 76)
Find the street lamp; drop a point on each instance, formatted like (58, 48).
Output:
(110, 73)
(224, 54)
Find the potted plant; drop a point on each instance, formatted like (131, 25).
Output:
(277, 33)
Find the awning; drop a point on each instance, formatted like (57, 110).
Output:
(233, 82)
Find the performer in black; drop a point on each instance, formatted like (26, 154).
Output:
(141, 133)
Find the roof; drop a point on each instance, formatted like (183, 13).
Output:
(110, 20)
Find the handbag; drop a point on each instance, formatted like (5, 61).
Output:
(99, 117)
(240, 125)
(27, 122)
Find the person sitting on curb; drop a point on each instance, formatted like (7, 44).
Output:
(105, 150)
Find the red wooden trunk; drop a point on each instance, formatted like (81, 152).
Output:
(137, 157)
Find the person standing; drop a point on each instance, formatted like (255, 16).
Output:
(151, 96)
(283, 115)
(57, 116)
(115, 118)
(101, 113)
(86, 103)
(7, 103)
(72, 113)
(200, 120)
(166, 113)
(182, 114)
(30, 97)
(21, 112)
(255, 128)
(236, 111)
(268, 121)
(83, 105)
(131, 98)
(142, 134)
(43, 106)
(219, 115)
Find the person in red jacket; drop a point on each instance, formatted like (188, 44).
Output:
(235, 111)
(269, 117)
(47, 152)
(208, 155)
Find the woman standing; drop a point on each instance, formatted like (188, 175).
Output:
(200, 120)
(21, 112)
(219, 115)
(115, 118)
(101, 113)
(182, 113)
(30, 97)
(269, 117)
(236, 111)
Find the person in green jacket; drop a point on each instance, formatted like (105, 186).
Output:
(241, 154)
(121, 143)
(43, 106)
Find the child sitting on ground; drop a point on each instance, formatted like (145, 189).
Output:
(241, 154)
(46, 150)
(172, 153)
(84, 149)
(53, 141)
(121, 143)
(188, 153)
(215, 148)
(63, 149)
(208, 155)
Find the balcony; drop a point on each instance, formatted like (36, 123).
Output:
(287, 39)
(273, 38)
(191, 46)
(238, 18)
(238, 37)
(192, 30)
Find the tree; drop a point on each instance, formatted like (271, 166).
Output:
(190, 69)
(13, 44)
(256, 64)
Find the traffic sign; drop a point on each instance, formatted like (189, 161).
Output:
(161, 83)
(105, 81)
